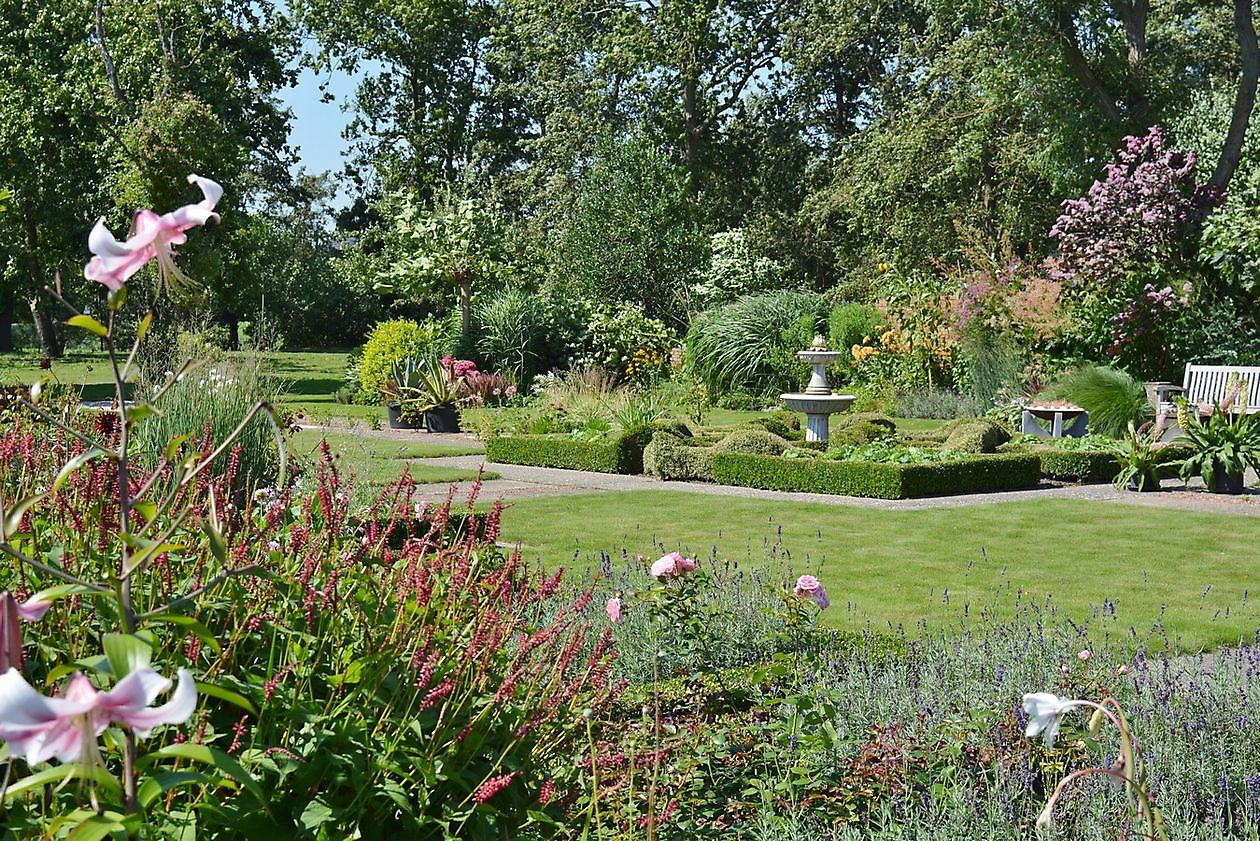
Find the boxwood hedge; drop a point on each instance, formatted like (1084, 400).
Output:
(1088, 467)
(618, 454)
(978, 473)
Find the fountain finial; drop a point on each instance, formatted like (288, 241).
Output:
(819, 343)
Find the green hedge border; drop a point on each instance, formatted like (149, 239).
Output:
(623, 454)
(1000, 472)
(1089, 468)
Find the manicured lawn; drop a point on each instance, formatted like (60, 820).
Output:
(377, 462)
(1188, 572)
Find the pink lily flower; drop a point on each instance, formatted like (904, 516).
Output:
(12, 612)
(151, 239)
(38, 728)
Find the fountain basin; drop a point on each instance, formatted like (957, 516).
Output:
(818, 409)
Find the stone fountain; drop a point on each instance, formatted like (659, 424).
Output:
(817, 401)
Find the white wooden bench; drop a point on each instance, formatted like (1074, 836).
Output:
(1206, 385)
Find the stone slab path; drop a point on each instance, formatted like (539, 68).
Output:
(519, 481)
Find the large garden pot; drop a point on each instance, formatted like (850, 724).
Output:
(442, 419)
(1226, 483)
(397, 420)
(1135, 483)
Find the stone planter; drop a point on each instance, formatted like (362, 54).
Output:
(442, 419)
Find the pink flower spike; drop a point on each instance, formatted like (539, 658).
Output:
(151, 239)
(614, 609)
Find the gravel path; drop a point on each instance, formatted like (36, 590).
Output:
(519, 481)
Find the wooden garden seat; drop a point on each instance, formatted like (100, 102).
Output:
(1204, 386)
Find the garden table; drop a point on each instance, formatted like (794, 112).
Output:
(1065, 420)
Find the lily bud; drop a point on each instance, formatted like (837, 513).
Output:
(1046, 819)
(1095, 721)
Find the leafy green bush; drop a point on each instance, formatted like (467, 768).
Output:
(622, 338)
(848, 324)
(784, 424)
(671, 457)
(882, 481)
(751, 344)
(1111, 396)
(620, 454)
(863, 428)
(393, 341)
(752, 441)
(976, 436)
(633, 234)
(511, 326)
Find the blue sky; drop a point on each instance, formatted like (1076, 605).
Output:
(317, 125)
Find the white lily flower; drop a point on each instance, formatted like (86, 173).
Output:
(1045, 714)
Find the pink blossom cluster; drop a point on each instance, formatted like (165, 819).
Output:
(1146, 202)
(459, 368)
(1142, 314)
(673, 565)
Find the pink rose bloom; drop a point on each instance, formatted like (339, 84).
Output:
(807, 586)
(1083, 656)
(672, 566)
(614, 609)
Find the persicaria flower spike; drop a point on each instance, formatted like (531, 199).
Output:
(151, 239)
(672, 566)
(807, 586)
(38, 728)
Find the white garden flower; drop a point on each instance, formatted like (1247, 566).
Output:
(1045, 714)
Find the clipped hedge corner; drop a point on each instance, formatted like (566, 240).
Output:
(621, 454)
(1001, 472)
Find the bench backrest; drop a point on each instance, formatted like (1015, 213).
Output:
(1208, 383)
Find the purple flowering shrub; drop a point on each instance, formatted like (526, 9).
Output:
(1125, 254)
(1146, 205)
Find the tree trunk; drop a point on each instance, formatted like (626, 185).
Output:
(465, 306)
(49, 339)
(234, 332)
(691, 141)
(8, 311)
(1244, 99)
(1064, 28)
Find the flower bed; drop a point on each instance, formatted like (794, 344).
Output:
(971, 474)
(617, 454)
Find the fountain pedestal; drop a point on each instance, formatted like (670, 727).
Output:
(817, 401)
